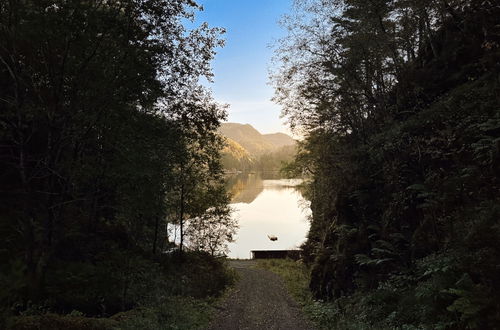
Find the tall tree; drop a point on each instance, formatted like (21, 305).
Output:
(94, 98)
(390, 96)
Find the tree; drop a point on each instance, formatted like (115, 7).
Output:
(198, 183)
(94, 100)
(212, 231)
(390, 96)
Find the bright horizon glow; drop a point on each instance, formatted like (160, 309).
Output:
(241, 68)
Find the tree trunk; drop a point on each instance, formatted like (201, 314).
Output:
(428, 33)
(181, 219)
(155, 239)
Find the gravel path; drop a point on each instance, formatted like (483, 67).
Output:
(258, 301)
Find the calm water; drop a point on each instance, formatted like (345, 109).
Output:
(267, 206)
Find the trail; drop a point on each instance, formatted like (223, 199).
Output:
(258, 301)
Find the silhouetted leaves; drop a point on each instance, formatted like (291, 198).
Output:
(397, 102)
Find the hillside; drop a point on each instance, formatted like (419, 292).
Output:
(252, 140)
(247, 136)
(234, 156)
(279, 140)
(248, 149)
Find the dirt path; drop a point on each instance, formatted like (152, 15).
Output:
(258, 301)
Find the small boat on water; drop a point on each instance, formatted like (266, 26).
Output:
(272, 237)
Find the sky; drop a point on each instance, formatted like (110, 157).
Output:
(241, 67)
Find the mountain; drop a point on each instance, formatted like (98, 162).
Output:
(249, 150)
(236, 150)
(247, 136)
(279, 140)
(235, 157)
(252, 140)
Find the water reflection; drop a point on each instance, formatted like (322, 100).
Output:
(267, 205)
(244, 188)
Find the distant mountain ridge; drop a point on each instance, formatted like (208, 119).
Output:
(279, 140)
(249, 150)
(252, 140)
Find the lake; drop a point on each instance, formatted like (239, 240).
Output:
(265, 205)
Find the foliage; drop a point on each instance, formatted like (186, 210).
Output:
(174, 313)
(107, 136)
(212, 231)
(296, 276)
(274, 161)
(60, 322)
(178, 292)
(271, 161)
(397, 100)
(186, 302)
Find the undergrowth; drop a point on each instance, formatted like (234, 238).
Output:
(179, 294)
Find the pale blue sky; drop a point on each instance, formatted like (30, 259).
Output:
(241, 67)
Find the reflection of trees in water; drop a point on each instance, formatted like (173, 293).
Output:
(245, 187)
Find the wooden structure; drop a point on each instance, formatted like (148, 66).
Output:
(275, 254)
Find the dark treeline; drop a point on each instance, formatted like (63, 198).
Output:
(106, 138)
(399, 103)
(271, 161)
(274, 161)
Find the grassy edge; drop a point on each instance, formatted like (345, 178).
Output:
(296, 275)
(188, 312)
(173, 312)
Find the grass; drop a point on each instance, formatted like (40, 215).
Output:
(175, 313)
(179, 313)
(177, 295)
(325, 315)
(295, 275)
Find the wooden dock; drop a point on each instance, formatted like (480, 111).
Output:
(276, 254)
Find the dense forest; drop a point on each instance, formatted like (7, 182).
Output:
(107, 140)
(236, 159)
(399, 105)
